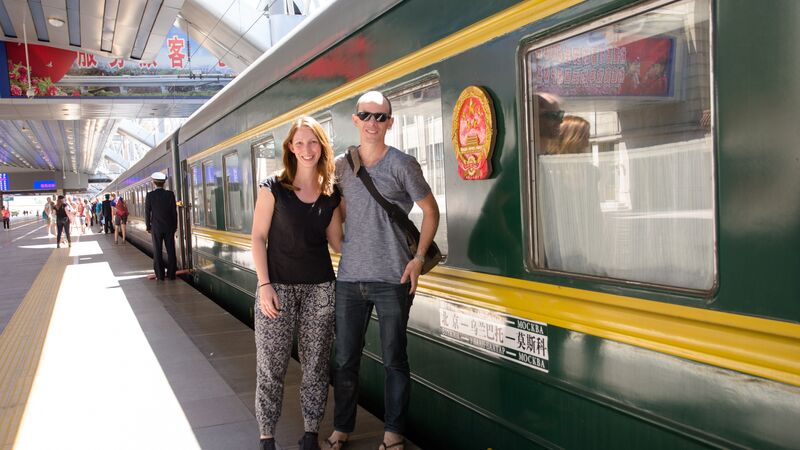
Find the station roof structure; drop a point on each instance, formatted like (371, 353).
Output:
(81, 73)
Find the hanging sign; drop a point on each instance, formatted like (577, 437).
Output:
(474, 132)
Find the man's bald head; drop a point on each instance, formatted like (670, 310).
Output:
(374, 97)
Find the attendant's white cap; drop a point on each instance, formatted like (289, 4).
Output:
(158, 176)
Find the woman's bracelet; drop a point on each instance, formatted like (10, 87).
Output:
(263, 284)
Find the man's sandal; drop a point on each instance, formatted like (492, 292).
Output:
(396, 444)
(336, 445)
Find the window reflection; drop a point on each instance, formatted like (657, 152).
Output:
(233, 192)
(417, 130)
(210, 191)
(197, 195)
(267, 160)
(623, 149)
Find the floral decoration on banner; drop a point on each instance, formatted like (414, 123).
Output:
(473, 133)
(41, 86)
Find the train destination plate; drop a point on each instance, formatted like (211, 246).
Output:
(520, 340)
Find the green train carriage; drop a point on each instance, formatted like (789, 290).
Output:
(637, 294)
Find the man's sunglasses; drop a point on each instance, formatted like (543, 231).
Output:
(554, 115)
(364, 116)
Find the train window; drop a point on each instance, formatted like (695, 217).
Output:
(210, 193)
(417, 130)
(326, 120)
(266, 159)
(140, 193)
(197, 194)
(234, 199)
(620, 162)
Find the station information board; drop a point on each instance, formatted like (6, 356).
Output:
(44, 184)
(3, 181)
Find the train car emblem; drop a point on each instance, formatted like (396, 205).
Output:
(474, 133)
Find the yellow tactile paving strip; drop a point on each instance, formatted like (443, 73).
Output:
(21, 344)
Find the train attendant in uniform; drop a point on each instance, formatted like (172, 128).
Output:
(295, 219)
(377, 269)
(6, 218)
(161, 221)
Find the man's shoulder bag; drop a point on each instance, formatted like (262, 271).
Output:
(396, 214)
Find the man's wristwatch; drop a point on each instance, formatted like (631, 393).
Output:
(420, 258)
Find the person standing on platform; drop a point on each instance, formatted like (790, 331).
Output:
(6, 218)
(106, 211)
(114, 213)
(295, 218)
(377, 269)
(62, 213)
(50, 217)
(88, 209)
(98, 210)
(120, 220)
(161, 221)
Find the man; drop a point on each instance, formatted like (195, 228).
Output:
(106, 208)
(161, 221)
(377, 269)
(550, 118)
(98, 209)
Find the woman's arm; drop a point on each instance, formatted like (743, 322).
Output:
(334, 231)
(262, 220)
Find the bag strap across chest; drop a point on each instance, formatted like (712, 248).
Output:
(396, 214)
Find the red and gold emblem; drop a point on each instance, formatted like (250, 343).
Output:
(474, 133)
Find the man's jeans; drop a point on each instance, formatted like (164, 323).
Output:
(354, 302)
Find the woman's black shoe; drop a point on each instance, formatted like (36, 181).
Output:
(309, 442)
(267, 444)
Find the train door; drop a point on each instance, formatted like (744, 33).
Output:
(185, 216)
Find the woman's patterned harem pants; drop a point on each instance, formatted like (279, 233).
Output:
(309, 308)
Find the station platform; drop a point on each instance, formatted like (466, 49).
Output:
(94, 355)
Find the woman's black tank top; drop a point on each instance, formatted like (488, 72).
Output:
(61, 213)
(297, 249)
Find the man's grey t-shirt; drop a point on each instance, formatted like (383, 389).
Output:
(374, 248)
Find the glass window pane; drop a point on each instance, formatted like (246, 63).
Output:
(417, 131)
(326, 121)
(197, 194)
(621, 129)
(210, 191)
(233, 191)
(267, 159)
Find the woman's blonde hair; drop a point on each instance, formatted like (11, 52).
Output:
(325, 166)
(574, 137)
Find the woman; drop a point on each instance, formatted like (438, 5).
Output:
(6, 218)
(72, 211)
(295, 218)
(574, 135)
(120, 219)
(81, 215)
(62, 220)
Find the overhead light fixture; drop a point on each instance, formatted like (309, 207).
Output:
(74, 19)
(56, 22)
(109, 25)
(151, 10)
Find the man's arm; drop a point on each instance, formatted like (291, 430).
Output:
(147, 209)
(173, 211)
(430, 222)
